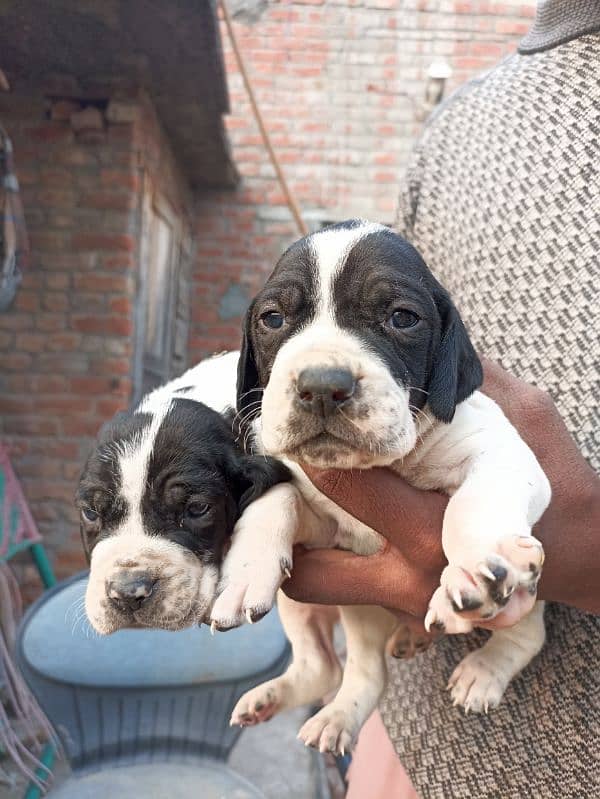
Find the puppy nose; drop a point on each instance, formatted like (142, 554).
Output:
(322, 390)
(130, 591)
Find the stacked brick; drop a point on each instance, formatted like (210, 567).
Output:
(67, 345)
(341, 84)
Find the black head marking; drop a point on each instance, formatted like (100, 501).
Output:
(291, 290)
(435, 358)
(100, 481)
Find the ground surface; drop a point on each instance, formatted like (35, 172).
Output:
(268, 756)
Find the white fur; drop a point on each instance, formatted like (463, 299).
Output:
(187, 586)
(498, 492)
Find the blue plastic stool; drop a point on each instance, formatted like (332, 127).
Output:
(141, 696)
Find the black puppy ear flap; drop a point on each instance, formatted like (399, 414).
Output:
(456, 371)
(247, 373)
(259, 473)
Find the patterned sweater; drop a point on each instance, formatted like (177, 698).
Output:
(503, 200)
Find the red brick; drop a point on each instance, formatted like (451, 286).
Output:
(64, 342)
(121, 305)
(109, 201)
(58, 280)
(118, 263)
(119, 179)
(15, 404)
(100, 385)
(77, 425)
(103, 325)
(50, 322)
(107, 241)
(51, 384)
(14, 361)
(30, 342)
(62, 405)
(55, 301)
(110, 366)
(62, 109)
(50, 489)
(23, 425)
(13, 321)
(53, 132)
(107, 408)
(94, 282)
(27, 301)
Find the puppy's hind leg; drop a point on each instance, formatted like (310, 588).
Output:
(314, 671)
(480, 679)
(335, 727)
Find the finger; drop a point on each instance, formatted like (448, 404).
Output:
(409, 518)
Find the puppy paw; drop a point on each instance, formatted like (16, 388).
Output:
(478, 590)
(477, 683)
(258, 705)
(248, 593)
(405, 642)
(330, 730)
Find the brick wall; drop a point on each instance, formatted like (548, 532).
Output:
(67, 346)
(341, 84)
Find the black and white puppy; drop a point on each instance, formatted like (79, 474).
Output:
(363, 360)
(159, 498)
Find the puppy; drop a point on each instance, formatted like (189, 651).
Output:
(362, 360)
(159, 498)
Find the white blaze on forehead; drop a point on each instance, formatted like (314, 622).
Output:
(134, 458)
(330, 249)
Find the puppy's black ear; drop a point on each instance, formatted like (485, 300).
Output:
(259, 473)
(456, 370)
(247, 374)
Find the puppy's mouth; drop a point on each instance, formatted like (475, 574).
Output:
(338, 443)
(111, 619)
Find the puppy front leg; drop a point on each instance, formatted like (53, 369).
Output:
(488, 541)
(313, 672)
(259, 559)
(260, 556)
(335, 727)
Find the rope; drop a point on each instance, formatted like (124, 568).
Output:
(292, 204)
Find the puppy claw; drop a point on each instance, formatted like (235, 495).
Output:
(213, 627)
(287, 573)
(430, 620)
(249, 618)
(456, 596)
(486, 572)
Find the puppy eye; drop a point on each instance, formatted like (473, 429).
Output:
(272, 320)
(401, 319)
(195, 510)
(90, 515)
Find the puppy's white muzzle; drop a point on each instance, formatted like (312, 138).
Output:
(332, 403)
(138, 581)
